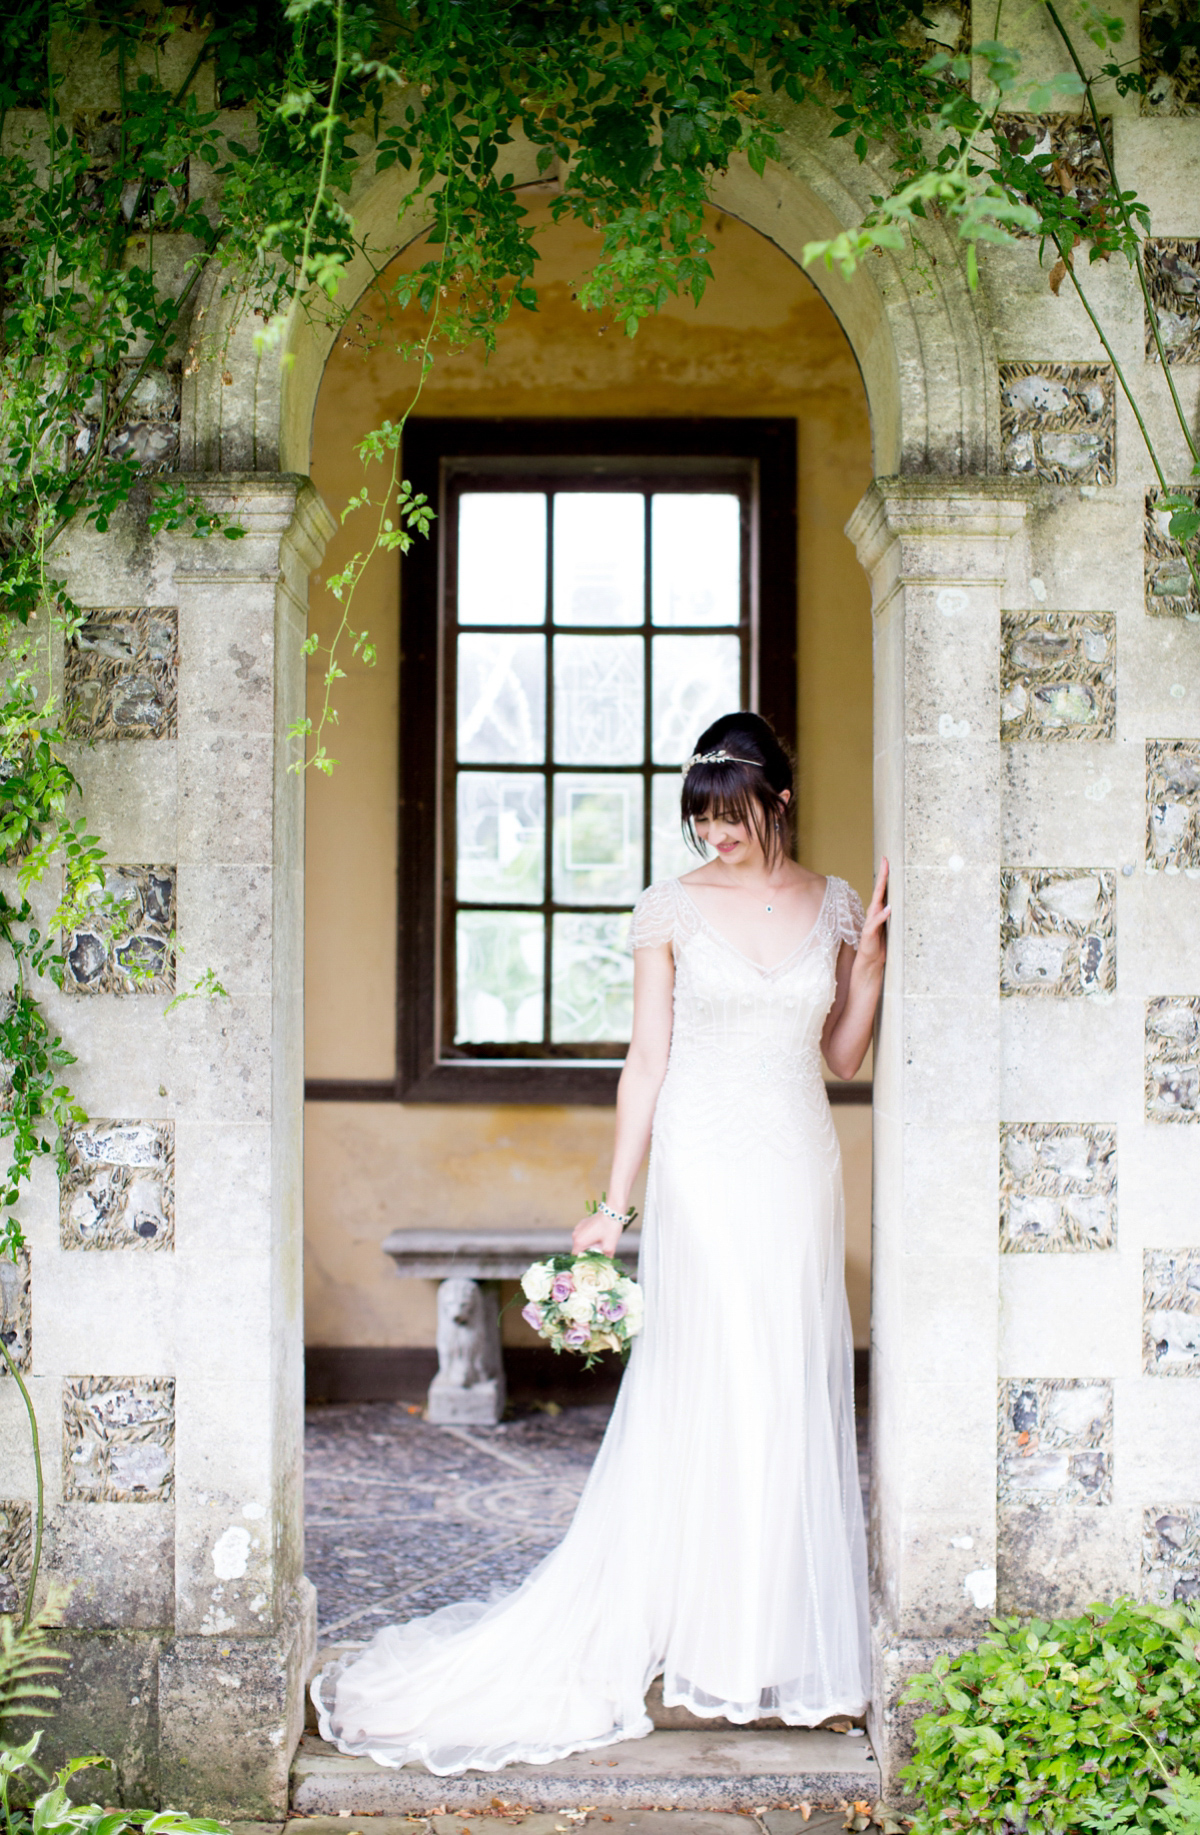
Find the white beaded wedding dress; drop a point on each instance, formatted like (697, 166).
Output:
(719, 1539)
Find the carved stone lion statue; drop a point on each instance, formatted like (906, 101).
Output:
(468, 1338)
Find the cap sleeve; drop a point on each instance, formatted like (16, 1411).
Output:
(653, 917)
(848, 914)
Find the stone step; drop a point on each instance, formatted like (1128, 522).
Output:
(554, 1822)
(729, 1769)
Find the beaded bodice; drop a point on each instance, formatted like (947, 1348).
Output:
(746, 1041)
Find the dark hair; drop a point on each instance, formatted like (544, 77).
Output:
(747, 788)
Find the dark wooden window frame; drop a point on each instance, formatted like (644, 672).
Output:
(435, 450)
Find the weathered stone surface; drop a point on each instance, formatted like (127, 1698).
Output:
(119, 1564)
(1171, 1554)
(1174, 81)
(127, 945)
(231, 1711)
(673, 1770)
(1172, 803)
(1054, 1563)
(1070, 146)
(943, 566)
(228, 1074)
(1055, 1441)
(1169, 587)
(1058, 1186)
(1058, 676)
(120, 673)
(16, 1313)
(1057, 931)
(890, 1718)
(119, 1188)
(16, 1553)
(148, 427)
(97, 133)
(109, 1704)
(1173, 278)
(1173, 1058)
(1057, 421)
(1171, 1312)
(145, 410)
(118, 1439)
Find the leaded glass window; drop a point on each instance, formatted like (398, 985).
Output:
(592, 628)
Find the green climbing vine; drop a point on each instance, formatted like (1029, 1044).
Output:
(989, 184)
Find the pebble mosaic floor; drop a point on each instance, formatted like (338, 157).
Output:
(402, 1517)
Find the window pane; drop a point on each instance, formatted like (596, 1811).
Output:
(502, 557)
(696, 545)
(501, 831)
(670, 854)
(695, 679)
(592, 995)
(599, 557)
(598, 700)
(501, 965)
(597, 839)
(501, 700)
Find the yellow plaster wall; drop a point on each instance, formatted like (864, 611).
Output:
(762, 341)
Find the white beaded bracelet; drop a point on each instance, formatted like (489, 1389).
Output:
(621, 1217)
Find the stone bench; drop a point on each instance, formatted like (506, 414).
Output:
(469, 1386)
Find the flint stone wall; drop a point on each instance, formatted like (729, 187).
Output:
(158, 1313)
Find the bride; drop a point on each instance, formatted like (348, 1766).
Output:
(719, 1539)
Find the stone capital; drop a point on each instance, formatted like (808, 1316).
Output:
(922, 529)
(284, 518)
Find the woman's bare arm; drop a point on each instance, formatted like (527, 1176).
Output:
(637, 1091)
(859, 984)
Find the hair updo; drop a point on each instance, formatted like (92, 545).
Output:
(749, 792)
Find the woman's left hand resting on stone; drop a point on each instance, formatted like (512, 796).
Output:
(851, 1018)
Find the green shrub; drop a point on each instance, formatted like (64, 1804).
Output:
(1066, 1728)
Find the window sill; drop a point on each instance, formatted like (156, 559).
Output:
(572, 1085)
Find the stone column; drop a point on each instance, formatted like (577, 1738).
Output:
(167, 1360)
(943, 558)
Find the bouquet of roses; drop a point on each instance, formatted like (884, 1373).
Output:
(583, 1303)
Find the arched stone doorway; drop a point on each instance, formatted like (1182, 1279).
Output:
(929, 377)
(938, 542)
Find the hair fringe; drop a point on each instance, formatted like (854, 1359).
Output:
(740, 793)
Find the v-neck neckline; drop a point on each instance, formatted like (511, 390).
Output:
(762, 968)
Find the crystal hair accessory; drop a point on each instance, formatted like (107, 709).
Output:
(718, 758)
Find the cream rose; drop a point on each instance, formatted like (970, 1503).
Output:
(594, 1277)
(537, 1281)
(578, 1308)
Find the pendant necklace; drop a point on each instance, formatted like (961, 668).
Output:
(767, 908)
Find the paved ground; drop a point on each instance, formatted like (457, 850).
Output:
(402, 1516)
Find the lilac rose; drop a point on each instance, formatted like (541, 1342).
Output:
(563, 1288)
(612, 1309)
(532, 1315)
(577, 1337)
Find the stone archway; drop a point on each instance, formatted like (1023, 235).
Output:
(217, 1667)
(919, 335)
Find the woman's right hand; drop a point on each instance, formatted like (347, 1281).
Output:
(596, 1232)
